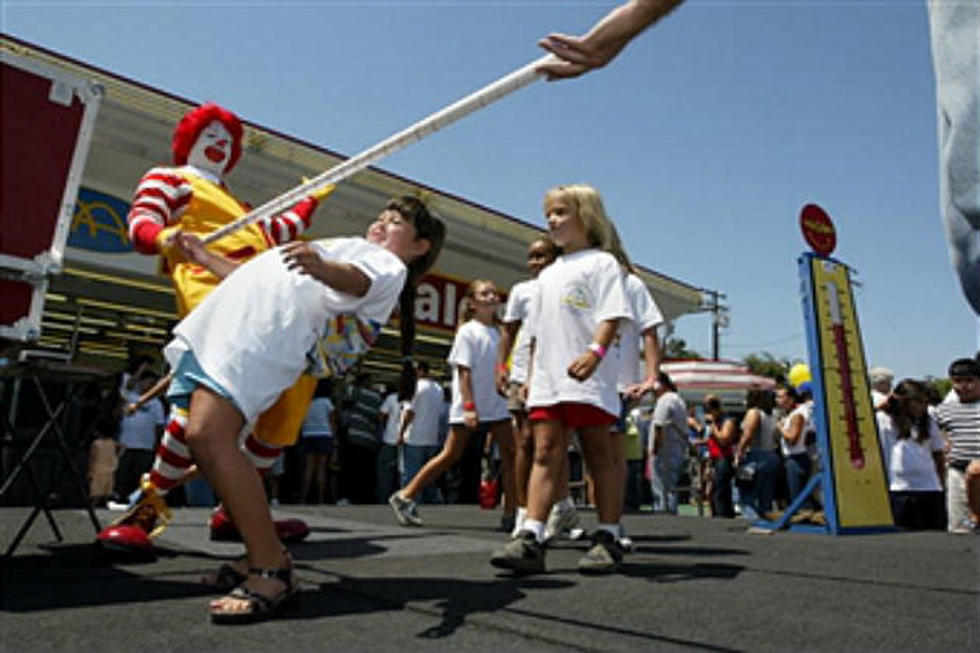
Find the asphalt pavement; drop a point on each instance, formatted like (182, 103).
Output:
(369, 585)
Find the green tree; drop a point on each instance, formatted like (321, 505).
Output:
(765, 364)
(942, 386)
(675, 348)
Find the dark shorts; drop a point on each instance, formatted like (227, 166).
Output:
(317, 445)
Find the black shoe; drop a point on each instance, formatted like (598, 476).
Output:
(507, 523)
(523, 554)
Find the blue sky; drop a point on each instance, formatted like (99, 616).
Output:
(705, 137)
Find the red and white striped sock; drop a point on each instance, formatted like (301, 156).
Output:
(173, 457)
(262, 454)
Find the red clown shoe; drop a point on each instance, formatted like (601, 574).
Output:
(134, 531)
(223, 529)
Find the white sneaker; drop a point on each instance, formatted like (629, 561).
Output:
(405, 510)
(560, 523)
(625, 541)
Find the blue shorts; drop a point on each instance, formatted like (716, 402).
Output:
(188, 376)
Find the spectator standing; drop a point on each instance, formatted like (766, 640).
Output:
(960, 421)
(913, 452)
(317, 439)
(139, 431)
(359, 450)
(391, 414)
(756, 462)
(633, 447)
(881, 385)
(667, 444)
(722, 434)
(102, 464)
(419, 431)
(792, 433)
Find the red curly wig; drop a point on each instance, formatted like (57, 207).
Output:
(194, 122)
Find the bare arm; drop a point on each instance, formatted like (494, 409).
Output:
(507, 337)
(342, 277)
(155, 391)
(195, 251)
(407, 416)
(793, 430)
(651, 357)
(605, 40)
(726, 434)
(656, 442)
(470, 417)
(583, 366)
(749, 428)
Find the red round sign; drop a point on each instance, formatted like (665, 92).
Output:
(818, 230)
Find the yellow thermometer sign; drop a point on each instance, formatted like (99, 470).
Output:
(843, 410)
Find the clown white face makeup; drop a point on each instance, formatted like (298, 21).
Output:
(212, 149)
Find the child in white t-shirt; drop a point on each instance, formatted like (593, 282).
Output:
(475, 404)
(304, 307)
(581, 299)
(512, 373)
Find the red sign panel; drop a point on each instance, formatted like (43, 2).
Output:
(818, 230)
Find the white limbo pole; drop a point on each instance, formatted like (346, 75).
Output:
(485, 96)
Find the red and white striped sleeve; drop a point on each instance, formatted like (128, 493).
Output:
(287, 226)
(160, 198)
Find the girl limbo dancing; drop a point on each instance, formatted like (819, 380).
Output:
(313, 307)
(475, 403)
(581, 299)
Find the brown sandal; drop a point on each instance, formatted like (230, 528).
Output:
(260, 606)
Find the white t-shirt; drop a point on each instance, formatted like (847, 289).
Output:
(805, 410)
(139, 430)
(317, 421)
(670, 413)
(575, 294)
(264, 324)
(391, 410)
(475, 347)
(426, 407)
(518, 309)
(645, 315)
(909, 462)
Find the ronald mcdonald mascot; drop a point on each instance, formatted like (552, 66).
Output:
(191, 197)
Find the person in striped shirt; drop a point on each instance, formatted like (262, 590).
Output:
(191, 198)
(961, 424)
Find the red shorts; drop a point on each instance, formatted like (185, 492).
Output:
(572, 415)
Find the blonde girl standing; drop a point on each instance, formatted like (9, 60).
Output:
(475, 405)
(581, 300)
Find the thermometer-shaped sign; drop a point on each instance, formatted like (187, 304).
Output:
(846, 385)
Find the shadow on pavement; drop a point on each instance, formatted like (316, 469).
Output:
(679, 573)
(457, 599)
(80, 575)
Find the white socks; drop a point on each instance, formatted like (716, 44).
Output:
(519, 521)
(536, 527)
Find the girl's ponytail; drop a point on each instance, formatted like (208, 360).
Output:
(431, 228)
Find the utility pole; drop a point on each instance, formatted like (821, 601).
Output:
(719, 318)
